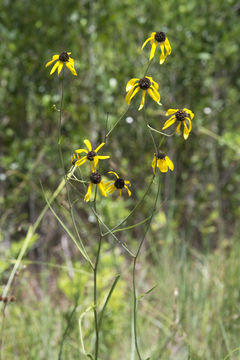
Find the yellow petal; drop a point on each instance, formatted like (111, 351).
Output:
(154, 84)
(178, 127)
(79, 151)
(185, 131)
(71, 68)
(102, 188)
(103, 157)
(154, 165)
(60, 66)
(88, 144)
(112, 172)
(129, 192)
(81, 161)
(169, 122)
(189, 112)
(120, 193)
(88, 194)
(134, 93)
(162, 57)
(143, 100)
(153, 49)
(145, 43)
(54, 67)
(169, 163)
(127, 182)
(167, 46)
(95, 160)
(129, 94)
(71, 61)
(111, 189)
(162, 165)
(171, 111)
(99, 147)
(131, 83)
(155, 92)
(69, 53)
(154, 95)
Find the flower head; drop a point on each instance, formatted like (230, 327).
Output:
(62, 59)
(91, 155)
(162, 161)
(95, 178)
(146, 84)
(119, 184)
(182, 116)
(158, 38)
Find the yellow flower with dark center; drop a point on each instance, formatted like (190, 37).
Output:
(159, 38)
(146, 84)
(91, 155)
(95, 178)
(183, 116)
(62, 59)
(162, 161)
(119, 184)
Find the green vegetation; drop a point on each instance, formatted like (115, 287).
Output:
(191, 253)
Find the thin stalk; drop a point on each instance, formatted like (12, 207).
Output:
(150, 132)
(95, 298)
(135, 299)
(116, 123)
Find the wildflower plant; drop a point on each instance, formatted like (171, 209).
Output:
(87, 188)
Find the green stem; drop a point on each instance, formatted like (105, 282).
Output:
(95, 299)
(135, 300)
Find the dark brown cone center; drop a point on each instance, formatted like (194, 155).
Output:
(160, 36)
(119, 183)
(64, 56)
(160, 155)
(91, 154)
(95, 177)
(180, 115)
(144, 83)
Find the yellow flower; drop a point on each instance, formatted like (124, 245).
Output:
(146, 84)
(155, 38)
(182, 116)
(118, 184)
(95, 178)
(91, 155)
(62, 59)
(162, 161)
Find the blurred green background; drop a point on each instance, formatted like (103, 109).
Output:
(192, 250)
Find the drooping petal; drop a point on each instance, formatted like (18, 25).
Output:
(189, 112)
(169, 122)
(189, 123)
(120, 192)
(88, 144)
(81, 161)
(127, 182)
(154, 165)
(178, 127)
(153, 49)
(134, 93)
(167, 46)
(129, 94)
(143, 100)
(95, 160)
(69, 53)
(154, 83)
(102, 189)
(185, 131)
(71, 68)
(169, 163)
(154, 94)
(162, 165)
(112, 172)
(129, 192)
(54, 68)
(60, 66)
(145, 43)
(79, 151)
(71, 60)
(111, 189)
(131, 83)
(99, 147)
(89, 191)
(54, 58)
(171, 111)
(162, 57)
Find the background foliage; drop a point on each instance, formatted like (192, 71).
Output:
(193, 243)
